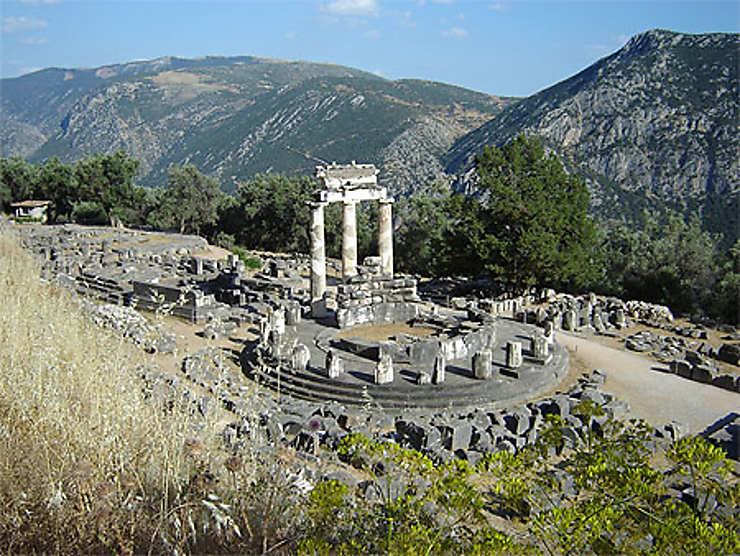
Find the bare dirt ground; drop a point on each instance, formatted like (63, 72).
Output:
(190, 339)
(213, 252)
(653, 395)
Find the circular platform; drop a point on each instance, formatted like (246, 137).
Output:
(460, 388)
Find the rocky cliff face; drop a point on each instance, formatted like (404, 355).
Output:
(657, 119)
(234, 117)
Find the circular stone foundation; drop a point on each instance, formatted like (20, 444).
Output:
(356, 386)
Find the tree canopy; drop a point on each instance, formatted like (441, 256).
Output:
(193, 198)
(530, 225)
(105, 182)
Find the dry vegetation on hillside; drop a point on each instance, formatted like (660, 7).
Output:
(90, 463)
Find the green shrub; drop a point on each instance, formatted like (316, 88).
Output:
(24, 219)
(90, 213)
(252, 262)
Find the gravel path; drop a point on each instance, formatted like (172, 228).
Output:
(653, 395)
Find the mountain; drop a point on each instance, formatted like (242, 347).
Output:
(653, 123)
(650, 126)
(237, 116)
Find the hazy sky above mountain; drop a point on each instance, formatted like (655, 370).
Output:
(497, 46)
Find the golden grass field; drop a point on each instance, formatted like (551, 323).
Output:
(88, 462)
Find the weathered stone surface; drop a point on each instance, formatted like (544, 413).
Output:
(726, 382)
(570, 320)
(384, 370)
(541, 348)
(513, 355)
(681, 367)
(729, 353)
(440, 364)
(333, 364)
(300, 357)
(318, 261)
(518, 420)
(704, 373)
(457, 435)
(423, 378)
(482, 365)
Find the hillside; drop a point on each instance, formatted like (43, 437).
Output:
(653, 123)
(234, 117)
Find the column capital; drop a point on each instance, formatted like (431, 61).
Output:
(317, 204)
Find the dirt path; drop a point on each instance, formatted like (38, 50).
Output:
(653, 395)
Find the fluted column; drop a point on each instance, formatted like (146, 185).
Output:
(349, 240)
(385, 236)
(318, 261)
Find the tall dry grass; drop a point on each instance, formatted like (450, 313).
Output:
(87, 462)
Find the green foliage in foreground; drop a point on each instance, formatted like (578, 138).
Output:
(603, 496)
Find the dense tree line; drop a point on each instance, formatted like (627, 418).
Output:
(528, 226)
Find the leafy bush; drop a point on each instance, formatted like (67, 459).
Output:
(250, 261)
(24, 219)
(90, 213)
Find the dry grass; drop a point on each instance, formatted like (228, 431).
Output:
(88, 461)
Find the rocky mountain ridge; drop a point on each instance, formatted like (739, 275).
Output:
(655, 121)
(651, 125)
(234, 117)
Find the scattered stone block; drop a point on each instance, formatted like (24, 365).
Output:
(675, 430)
(726, 382)
(729, 353)
(457, 436)
(518, 420)
(704, 373)
(681, 367)
(423, 378)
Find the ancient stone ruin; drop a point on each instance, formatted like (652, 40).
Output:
(432, 356)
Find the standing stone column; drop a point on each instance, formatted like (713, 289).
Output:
(318, 261)
(334, 365)
(440, 363)
(482, 364)
(513, 355)
(384, 369)
(541, 349)
(385, 236)
(349, 240)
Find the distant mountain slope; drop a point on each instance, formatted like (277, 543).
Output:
(234, 117)
(654, 122)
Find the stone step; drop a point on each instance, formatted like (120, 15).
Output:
(308, 386)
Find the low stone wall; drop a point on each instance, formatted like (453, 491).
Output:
(694, 367)
(376, 300)
(420, 352)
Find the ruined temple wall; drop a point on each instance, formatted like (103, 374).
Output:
(376, 300)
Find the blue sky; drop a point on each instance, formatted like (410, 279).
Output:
(505, 47)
